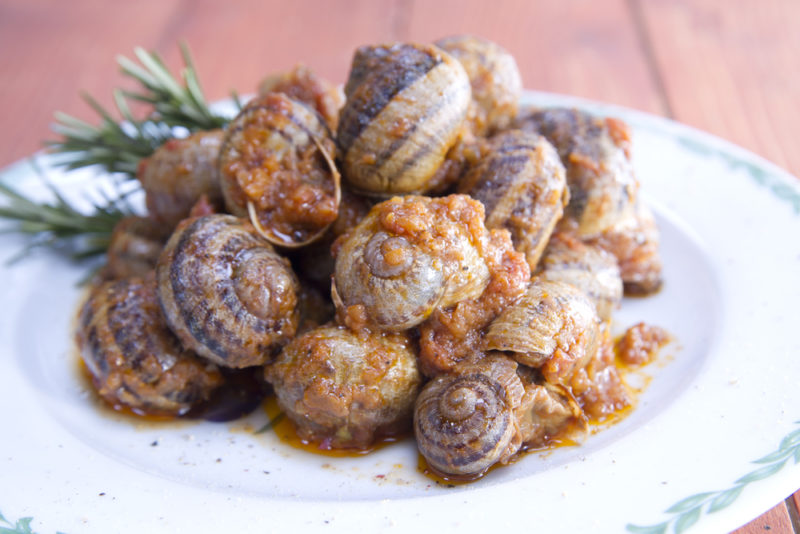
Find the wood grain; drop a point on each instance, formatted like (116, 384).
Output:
(583, 48)
(776, 521)
(731, 68)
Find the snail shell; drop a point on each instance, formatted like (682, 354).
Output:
(133, 358)
(634, 240)
(404, 109)
(554, 326)
(134, 247)
(494, 77)
(303, 85)
(276, 167)
(522, 185)
(596, 155)
(465, 422)
(344, 390)
(179, 173)
(225, 292)
(589, 268)
(410, 255)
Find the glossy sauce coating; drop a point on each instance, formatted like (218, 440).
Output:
(134, 359)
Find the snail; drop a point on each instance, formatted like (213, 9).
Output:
(465, 422)
(589, 268)
(178, 174)
(596, 155)
(455, 333)
(522, 185)
(133, 358)
(634, 240)
(225, 292)
(276, 167)
(344, 390)
(494, 77)
(405, 107)
(408, 256)
(134, 247)
(554, 327)
(303, 85)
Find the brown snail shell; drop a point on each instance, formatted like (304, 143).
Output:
(410, 255)
(344, 390)
(276, 167)
(405, 106)
(225, 292)
(134, 359)
(634, 240)
(522, 184)
(179, 173)
(135, 245)
(494, 77)
(596, 154)
(589, 268)
(304, 85)
(554, 326)
(465, 422)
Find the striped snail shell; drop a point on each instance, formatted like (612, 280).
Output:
(133, 358)
(589, 268)
(410, 255)
(276, 167)
(405, 106)
(554, 327)
(465, 422)
(523, 187)
(225, 292)
(596, 154)
(494, 77)
(134, 247)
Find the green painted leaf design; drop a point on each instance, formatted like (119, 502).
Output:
(762, 473)
(725, 499)
(797, 455)
(687, 520)
(689, 502)
(661, 528)
(774, 456)
(791, 440)
(3, 519)
(24, 525)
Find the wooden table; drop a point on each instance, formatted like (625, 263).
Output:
(730, 68)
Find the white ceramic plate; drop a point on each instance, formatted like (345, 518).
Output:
(722, 398)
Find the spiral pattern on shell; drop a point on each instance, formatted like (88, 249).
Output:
(464, 423)
(225, 292)
(134, 359)
(410, 255)
(405, 106)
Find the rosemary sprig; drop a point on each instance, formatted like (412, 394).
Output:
(59, 224)
(119, 146)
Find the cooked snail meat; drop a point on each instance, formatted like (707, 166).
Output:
(405, 107)
(276, 167)
(494, 77)
(595, 153)
(133, 358)
(554, 327)
(303, 85)
(179, 173)
(465, 422)
(225, 292)
(522, 185)
(589, 268)
(409, 256)
(343, 390)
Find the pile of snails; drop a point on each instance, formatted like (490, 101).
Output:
(417, 252)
